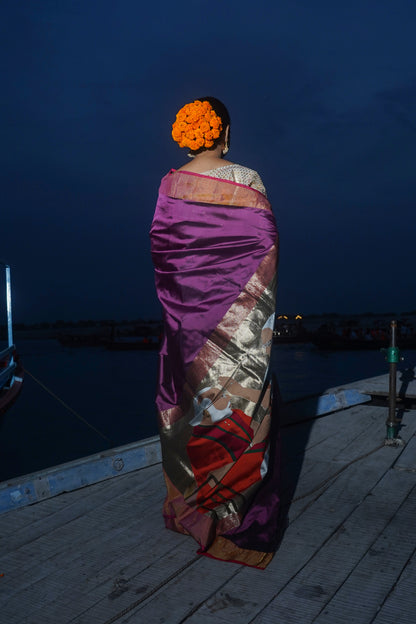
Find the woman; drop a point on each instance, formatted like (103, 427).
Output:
(214, 248)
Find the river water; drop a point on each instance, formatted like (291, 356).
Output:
(114, 393)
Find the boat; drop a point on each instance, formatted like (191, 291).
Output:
(82, 340)
(335, 342)
(11, 370)
(126, 343)
(290, 330)
(146, 337)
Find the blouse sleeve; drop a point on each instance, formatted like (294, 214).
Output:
(257, 183)
(240, 174)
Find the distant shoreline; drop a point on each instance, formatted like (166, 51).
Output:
(52, 330)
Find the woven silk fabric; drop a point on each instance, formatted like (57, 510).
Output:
(214, 249)
(239, 174)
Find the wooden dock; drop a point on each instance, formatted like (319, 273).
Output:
(100, 554)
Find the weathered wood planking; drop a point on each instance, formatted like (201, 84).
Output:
(400, 604)
(35, 487)
(80, 537)
(330, 445)
(320, 405)
(101, 552)
(248, 593)
(337, 563)
(379, 386)
(361, 594)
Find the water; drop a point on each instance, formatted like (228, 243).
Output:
(114, 392)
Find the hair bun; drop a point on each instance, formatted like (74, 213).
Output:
(197, 125)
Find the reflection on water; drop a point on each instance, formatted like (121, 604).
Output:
(114, 391)
(300, 355)
(303, 370)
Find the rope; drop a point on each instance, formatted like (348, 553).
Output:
(338, 472)
(81, 418)
(116, 617)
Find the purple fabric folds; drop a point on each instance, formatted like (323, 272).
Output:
(203, 256)
(214, 248)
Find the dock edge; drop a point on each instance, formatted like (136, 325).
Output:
(38, 486)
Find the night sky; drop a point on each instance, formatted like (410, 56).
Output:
(322, 97)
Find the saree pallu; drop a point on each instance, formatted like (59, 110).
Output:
(214, 249)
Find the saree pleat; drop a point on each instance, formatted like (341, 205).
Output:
(214, 249)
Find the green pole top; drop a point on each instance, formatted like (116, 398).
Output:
(392, 355)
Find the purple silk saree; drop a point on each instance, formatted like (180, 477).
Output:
(214, 248)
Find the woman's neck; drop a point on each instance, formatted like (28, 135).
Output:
(205, 161)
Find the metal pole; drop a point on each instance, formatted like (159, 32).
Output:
(9, 306)
(392, 358)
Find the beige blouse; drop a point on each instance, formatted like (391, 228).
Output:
(239, 174)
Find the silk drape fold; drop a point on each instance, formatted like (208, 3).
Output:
(215, 248)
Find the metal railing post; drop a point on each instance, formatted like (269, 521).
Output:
(392, 357)
(9, 307)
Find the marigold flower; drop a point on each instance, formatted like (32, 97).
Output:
(197, 125)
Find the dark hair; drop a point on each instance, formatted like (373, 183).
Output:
(222, 112)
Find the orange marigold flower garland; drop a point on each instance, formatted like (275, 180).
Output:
(197, 125)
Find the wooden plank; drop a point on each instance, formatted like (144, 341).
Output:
(321, 429)
(300, 544)
(400, 604)
(55, 592)
(44, 562)
(26, 516)
(339, 433)
(407, 459)
(146, 615)
(334, 433)
(361, 595)
(69, 574)
(379, 386)
(78, 504)
(331, 445)
(310, 591)
(103, 521)
(105, 550)
(79, 473)
(331, 401)
(139, 580)
(306, 535)
(364, 433)
(29, 489)
(184, 593)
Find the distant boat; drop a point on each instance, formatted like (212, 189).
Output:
(285, 338)
(82, 340)
(334, 342)
(290, 330)
(143, 341)
(114, 343)
(11, 371)
(127, 343)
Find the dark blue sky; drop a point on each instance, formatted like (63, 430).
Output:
(322, 97)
